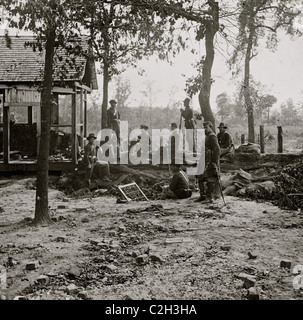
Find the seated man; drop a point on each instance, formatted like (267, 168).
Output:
(224, 140)
(179, 187)
(93, 166)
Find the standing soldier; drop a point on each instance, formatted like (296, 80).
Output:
(113, 118)
(188, 114)
(210, 175)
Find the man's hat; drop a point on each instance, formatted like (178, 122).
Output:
(222, 125)
(208, 123)
(112, 101)
(91, 135)
(173, 124)
(143, 126)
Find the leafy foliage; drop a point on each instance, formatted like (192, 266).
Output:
(290, 181)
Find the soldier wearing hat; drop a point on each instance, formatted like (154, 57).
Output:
(224, 139)
(179, 187)
(208, 178)
(113, 118)
(188, 114)
(93, 166)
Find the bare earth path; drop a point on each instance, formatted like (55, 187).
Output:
(99, 249)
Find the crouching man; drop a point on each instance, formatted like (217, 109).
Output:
(179, 187)
(94, 168)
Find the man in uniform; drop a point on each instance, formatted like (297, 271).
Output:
(207, 180)
(225, 140)
(179, 187)
(93, 166)
(113, 118)
(188, 114)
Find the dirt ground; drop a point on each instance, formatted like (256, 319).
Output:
(165, 249)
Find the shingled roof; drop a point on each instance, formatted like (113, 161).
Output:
(20, 63)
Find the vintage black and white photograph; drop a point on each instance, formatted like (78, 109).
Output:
(151, 150)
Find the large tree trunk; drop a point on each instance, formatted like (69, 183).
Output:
(42, 216)
(212, 27)
(105, 94)
(247, 98)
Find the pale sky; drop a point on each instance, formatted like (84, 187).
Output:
(281, 72)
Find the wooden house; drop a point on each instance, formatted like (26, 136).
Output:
(21, 69)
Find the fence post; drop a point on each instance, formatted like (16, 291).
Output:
(242, 138)
(280, 139)
(262, 145)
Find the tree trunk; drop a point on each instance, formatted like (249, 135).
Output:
(246, 88)
(42, 216)
(105, 94)
(212, 27)
(105, 81)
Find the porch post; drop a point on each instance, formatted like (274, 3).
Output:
(6, 134)
(74, 131)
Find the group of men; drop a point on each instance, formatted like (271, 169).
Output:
(215, 146)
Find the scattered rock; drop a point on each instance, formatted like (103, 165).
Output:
(83, 295)
(151, 248)
(112, 233)
(81, 209)
(142, 259)
(129, 297)
(10, 245)
(11, 262)
(65, 200)
(32, 265)
(252, 294)
(243, 276)
(51, 274)
(62, 206)
(74, 271)
(252, 255)
(141, 224)
(43, 279)
(135, 254)
(225, 247)
(95, 242)
(122, 229)
(285, 264)
(55, 219)
(2, 297)
(72, 288)
(111, 268)
(20, 298)
(84, 220)
(61, 239)
(115, 246)
(249, 282)
(156, 258)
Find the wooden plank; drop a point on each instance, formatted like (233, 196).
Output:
(63, 90)
(22, 104)
(83, 86)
